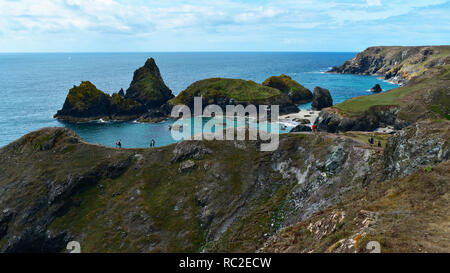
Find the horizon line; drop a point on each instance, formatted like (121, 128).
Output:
(205, 51)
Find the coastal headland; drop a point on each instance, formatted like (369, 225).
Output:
(324, 191)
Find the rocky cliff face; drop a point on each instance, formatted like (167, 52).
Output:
(376, 117)
(396, 64)
(405, 201)
(424, 96)
(220, 196)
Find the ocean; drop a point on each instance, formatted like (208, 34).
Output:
(33, 86)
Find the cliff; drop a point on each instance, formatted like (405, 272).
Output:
(316, 192)
(423, 96)
(396, 63)
(222, 91)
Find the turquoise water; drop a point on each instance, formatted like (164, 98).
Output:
(34, 86)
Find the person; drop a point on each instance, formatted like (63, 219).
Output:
(371, 141)
(119, 144)
(314, 128)
(379, 143)
(152, 143)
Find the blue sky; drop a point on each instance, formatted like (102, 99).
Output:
(219, 25)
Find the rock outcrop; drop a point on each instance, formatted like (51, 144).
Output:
(85, 102)
(301, 128)
(376, 88)
(395, 63)
(321, 98)
(376, 117)
(424, 96)
(148, 87)
(297, 92)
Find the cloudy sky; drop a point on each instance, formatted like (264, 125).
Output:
(219, 25)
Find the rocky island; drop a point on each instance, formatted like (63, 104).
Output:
(222, 92)
(148, 99)
(145, 98)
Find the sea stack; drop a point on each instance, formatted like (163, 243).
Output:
(148, 87)
(145, 99)
(321, 98)
(376, 88)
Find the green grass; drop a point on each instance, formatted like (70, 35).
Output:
(436, 82)
(359, 105)
(239, 90)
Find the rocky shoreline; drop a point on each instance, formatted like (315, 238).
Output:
(397, 65)
(419, 70)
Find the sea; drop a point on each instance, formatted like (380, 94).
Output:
(33, 86)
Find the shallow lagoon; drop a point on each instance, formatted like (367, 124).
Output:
(34, 86)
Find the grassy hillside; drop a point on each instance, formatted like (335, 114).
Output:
(56, 188)
(239, 90)
(435, 85)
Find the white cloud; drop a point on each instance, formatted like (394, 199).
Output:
(374, 2)
(52, 19)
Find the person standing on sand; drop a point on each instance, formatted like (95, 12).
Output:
(152, 143)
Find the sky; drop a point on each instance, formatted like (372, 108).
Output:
(219, 25)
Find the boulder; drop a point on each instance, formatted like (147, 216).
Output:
(187, 166)
(301, 128)
(148, 87)
(302, 120)
(189, 150)
(376, 88)
(296, 92)
(321, 98)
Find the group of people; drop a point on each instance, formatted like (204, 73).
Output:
(152, 143)
(119, 143)
(372, 142)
